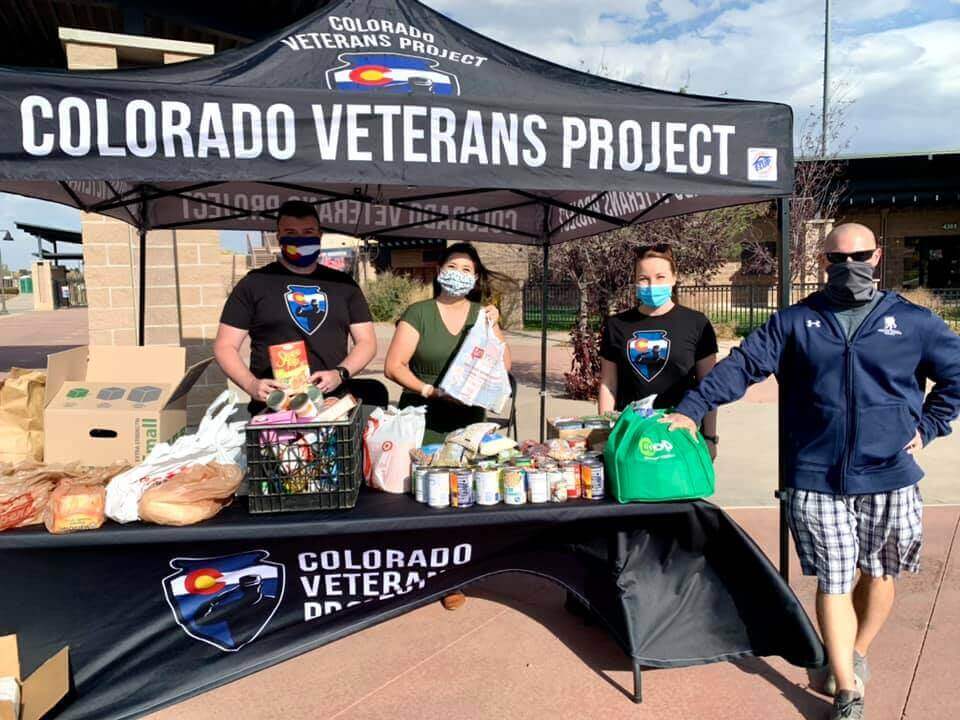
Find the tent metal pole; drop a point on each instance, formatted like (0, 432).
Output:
(142, 230)
(543, 338)
(783, 301)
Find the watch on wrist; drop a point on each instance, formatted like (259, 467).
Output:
(344, 373)
(715, 439)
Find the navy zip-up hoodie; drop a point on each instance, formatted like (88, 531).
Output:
(851, 406)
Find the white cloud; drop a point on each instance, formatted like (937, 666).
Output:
(905, 81)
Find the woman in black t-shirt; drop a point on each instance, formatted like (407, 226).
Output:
(657, 348)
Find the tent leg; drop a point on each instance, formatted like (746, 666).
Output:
(637, 683)
(783, 301)
(543, 341)
(143, 287)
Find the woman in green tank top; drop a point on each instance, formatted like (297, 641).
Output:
(430, 332)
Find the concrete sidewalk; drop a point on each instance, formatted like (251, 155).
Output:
(513, 652)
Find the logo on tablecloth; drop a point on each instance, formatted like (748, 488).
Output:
(307, 305)
(648, 351)
(225, 601)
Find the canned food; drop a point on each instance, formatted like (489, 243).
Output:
(438, 488)
(592, 477)
(315, 394)
(523, 461)
(303, 406)
(487, 486)
(571, 474)
(418, 474)
(558, 485)
(538, 488)
(513, 479)
(461, 488)
(277, 400)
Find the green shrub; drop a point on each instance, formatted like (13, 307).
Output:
(390, 295)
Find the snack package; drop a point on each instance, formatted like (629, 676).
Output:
(192, 495)
(273, 437)
(471, 436)
(563, 449)
(75, 506)
(450, 455)
(494, 444)
(291, 366)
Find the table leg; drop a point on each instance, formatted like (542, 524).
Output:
(637, 683)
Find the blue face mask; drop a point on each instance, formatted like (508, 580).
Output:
(455, 282)
(654, 295)
(300, 251)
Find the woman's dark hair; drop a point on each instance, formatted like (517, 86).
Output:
(483, 290)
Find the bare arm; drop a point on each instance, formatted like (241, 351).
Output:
(397, 364)
(364, 347)
(226, 349)
(607, 396)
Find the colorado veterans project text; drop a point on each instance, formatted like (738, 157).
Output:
(359, 132)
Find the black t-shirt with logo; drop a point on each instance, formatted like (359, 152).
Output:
(656, 355)
(277, 306)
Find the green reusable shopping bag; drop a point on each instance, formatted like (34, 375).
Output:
(645, 462)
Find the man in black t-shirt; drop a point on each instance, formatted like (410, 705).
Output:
(296, 298)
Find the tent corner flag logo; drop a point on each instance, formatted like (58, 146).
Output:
(391, 73)
(224, 601)
(762, 164)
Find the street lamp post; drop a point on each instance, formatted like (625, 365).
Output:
(826, 79)
(3, 290)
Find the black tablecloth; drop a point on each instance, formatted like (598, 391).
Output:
(156, 614)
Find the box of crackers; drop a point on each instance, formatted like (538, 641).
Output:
(291, 366)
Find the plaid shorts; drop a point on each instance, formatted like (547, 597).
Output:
(881, 534)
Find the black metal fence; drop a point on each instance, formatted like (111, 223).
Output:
(741, 308)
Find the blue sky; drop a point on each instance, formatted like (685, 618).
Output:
(896, 62)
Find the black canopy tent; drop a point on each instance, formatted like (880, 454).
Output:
(392, 120)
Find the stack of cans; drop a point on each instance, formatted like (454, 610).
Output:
(521, 482)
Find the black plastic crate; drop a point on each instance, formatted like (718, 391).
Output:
(305, 466)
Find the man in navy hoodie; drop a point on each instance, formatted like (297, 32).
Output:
(853, 363)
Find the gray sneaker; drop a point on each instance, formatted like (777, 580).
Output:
(847, 705)
(823, 681)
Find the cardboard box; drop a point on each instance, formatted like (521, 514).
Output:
(40, 692)
(106, 404)
(595, 438)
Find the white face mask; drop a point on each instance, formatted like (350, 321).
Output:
(456, 282)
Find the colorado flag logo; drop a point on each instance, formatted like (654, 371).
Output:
(225, 601)
(392, 73)
(647, 352)
(307, 305)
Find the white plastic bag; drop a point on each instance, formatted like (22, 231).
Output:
(477, 375)
(387, 441)
(216, 440)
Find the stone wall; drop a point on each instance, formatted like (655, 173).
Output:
(185, 291)
(512, 261)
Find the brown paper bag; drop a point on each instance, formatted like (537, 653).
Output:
(21, 415)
